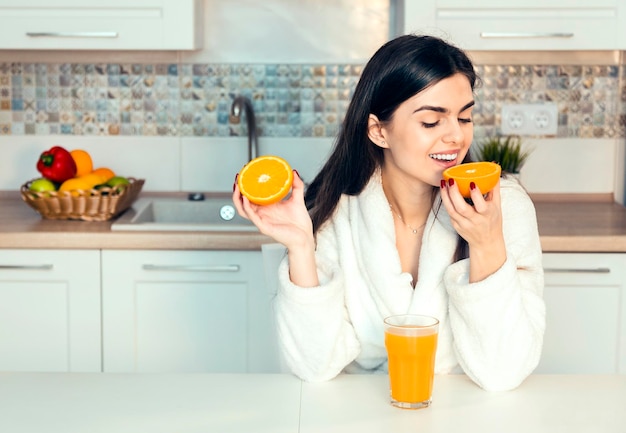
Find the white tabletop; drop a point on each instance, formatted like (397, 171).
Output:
(148, 403)
(551, 404)
(189, 403)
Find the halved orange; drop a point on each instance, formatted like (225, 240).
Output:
(484, 174)
(265, 180)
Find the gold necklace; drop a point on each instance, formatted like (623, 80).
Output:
(413, 229)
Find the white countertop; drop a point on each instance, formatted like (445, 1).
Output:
(220, 403)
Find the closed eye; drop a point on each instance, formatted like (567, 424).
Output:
(432, 125)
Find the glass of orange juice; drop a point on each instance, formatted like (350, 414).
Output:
(411, 342)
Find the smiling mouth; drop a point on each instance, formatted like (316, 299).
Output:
(444, 156)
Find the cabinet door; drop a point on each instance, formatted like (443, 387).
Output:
(520, 25)
(111, 25)
(50, 310)
(584, 299)
(186, 311)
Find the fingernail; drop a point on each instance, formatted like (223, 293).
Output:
(296, 171)
(450, 182)
(443, 183)
(472, 186)
(235, 182)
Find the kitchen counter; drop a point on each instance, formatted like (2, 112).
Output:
(566, 224)
(22, 227)
(190, 403)
(580, 223)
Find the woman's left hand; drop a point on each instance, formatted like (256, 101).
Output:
(480, 225)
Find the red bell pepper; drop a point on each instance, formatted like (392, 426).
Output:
(57, 164)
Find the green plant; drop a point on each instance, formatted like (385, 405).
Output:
(505, 150)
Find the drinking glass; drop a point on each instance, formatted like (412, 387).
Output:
(411, 342)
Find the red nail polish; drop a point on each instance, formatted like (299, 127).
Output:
(472, 186)
(443, 183)
(296, 171)
(450, 182)
(235, 183)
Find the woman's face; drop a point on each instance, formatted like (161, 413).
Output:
(431, 131)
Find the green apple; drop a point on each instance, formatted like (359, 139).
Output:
(42, 185)
(117, 181)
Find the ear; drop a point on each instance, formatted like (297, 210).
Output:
(375, 131)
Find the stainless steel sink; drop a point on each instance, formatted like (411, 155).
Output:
(178, 214)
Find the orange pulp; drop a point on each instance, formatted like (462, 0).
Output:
(484, 174)
(265, 180)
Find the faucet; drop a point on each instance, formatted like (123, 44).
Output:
(242, 103)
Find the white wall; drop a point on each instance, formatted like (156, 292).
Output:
(273, 31)
(207, 164)
(210, 163)
(572, 165)
(247, 31)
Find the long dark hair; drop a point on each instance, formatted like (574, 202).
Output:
(399, 69)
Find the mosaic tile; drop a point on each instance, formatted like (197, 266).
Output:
(289, 99)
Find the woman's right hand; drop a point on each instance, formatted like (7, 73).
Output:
(287, 222)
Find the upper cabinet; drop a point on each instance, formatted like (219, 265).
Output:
(520, 24)
(99, 25)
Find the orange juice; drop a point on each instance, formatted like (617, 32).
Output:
(411, 352)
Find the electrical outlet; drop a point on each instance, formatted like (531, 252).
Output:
(529, 119)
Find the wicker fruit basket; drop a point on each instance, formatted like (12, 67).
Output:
(93, 205)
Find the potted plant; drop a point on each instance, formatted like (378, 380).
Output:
(505, 150)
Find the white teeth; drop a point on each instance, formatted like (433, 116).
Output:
(443, 157)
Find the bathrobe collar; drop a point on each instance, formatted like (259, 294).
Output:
(375, 233)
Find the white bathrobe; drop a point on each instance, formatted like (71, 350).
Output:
(492, 330)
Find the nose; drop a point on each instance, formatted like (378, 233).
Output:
(454, 132)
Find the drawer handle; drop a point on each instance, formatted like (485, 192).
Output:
(578, 270)
(505, 35)
(72, 34)
(27, 267)
(192, 268)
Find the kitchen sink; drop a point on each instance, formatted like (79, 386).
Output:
(178, 214)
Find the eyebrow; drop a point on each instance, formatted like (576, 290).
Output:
(444, 110)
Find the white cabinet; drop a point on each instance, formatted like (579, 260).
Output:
(585, 298)
(50, 311)
(186, 311)
(520, 24)
(110, 25)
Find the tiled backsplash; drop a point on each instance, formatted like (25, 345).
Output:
(291, 100)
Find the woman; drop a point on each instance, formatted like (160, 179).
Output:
(380, 233)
